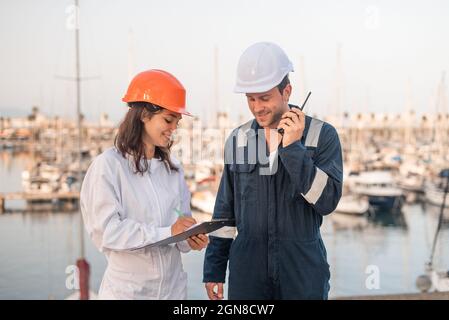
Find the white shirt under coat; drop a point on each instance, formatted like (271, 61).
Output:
(123, 210)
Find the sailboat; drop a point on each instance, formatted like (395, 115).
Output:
(436, 280)
(411, 180)
(435, 195)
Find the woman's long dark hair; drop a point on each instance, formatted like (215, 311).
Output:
(128, 140)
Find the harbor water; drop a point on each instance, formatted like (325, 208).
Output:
(37, 249)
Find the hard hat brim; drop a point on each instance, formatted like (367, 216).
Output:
(177, 110)
(261, 88)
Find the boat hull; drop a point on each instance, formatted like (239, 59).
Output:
(385, 202)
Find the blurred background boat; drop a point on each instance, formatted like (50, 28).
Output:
(379, 187)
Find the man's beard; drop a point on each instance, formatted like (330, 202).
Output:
(276, 118)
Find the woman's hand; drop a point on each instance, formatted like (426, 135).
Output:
(198, 242)
(182, 224)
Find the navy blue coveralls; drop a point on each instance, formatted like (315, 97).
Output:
(278, 252)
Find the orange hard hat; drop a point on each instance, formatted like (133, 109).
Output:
(157, 87)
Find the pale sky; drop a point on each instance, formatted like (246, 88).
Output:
(384, 46)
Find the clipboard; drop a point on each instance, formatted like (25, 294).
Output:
(202, 228)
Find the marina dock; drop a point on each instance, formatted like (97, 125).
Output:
(27, 196)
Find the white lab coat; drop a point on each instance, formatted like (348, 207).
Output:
(123, 210)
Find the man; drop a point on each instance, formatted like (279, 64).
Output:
(278, 196)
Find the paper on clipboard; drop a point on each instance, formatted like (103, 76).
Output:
(202, 228)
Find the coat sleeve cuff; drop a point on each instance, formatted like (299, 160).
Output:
(292, 156)
(183, 246)
(165, 232)
(296, 146)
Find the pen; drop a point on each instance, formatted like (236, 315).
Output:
(281, 130)
(179, 213)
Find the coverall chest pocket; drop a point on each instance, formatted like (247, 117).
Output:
(245, 180)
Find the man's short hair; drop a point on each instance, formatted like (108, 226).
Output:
(281, 86)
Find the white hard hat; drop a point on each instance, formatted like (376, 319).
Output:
(261, 68)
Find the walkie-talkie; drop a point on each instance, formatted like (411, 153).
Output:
(281, 130)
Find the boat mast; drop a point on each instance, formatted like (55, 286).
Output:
(78, 114)
(215, 113)
(81, 263)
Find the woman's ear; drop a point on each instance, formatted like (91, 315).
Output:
(144, 116)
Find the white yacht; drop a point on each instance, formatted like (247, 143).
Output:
(379, 187)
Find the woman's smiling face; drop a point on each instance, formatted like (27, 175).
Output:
(160, 127)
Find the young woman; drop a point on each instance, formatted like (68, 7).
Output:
(134, 194)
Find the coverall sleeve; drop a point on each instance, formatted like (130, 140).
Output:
(318, 180)
(105, 220)
(217, 252)
(183, 246)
